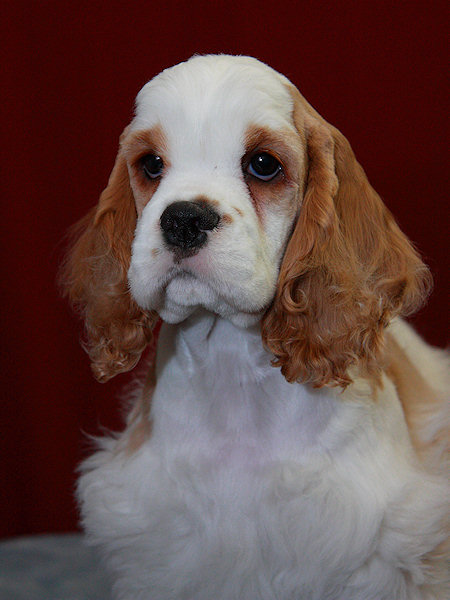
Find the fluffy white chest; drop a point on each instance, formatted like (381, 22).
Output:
(219, 402)
(252, 488)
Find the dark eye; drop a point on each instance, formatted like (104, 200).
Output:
(152, 165)
(264, 166)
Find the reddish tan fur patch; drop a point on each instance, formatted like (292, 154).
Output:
(94, 277)
(211, 202)
(347, 270)
(286, 147)
(139, 426)
(137, 145)
(419, 400)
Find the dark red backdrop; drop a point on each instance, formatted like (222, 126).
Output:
(70, 74)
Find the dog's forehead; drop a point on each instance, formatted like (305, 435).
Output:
(209, 93)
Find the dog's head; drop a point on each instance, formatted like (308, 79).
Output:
(231, 193)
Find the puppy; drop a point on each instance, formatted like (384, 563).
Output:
(288, 442)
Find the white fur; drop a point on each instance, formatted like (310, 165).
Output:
(249, 488)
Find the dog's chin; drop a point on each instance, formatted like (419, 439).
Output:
(185, 294)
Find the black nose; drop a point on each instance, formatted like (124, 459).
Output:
(184, 224)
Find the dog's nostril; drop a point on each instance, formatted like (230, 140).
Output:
(184, 224)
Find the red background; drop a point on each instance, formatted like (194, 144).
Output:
(70, 75)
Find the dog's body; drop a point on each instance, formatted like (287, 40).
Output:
(267, 491)
(236, 480)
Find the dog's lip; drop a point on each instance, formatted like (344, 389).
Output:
(181, 255)
(189, 275)
(178, 271)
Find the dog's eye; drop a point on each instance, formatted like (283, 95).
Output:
(264, 166)
(152, 165)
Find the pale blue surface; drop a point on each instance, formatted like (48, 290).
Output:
(50, 567)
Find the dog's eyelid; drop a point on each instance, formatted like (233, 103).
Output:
(262, 149)
(263, 164)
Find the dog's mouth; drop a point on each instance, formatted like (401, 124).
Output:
(180, 254)
(221, 278)
(179, 273)
(186, 291)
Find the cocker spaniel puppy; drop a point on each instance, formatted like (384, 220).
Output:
(288, 442)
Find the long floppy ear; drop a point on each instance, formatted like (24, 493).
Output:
(94, 277)
(347, 271)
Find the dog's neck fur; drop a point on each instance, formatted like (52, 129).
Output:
(218, 399)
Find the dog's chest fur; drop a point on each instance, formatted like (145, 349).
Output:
(251, 487)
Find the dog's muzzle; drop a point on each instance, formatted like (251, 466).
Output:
(184, 225)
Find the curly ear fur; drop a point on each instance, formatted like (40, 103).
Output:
(347, 270)
(94, 277)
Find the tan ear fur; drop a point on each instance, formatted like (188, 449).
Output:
(347, 270)
(94, 277)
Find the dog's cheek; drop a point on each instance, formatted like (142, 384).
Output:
(273, 196)
(279, 219)
(147, 267)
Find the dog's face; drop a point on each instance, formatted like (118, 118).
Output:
(231, 193)
(215, 164)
